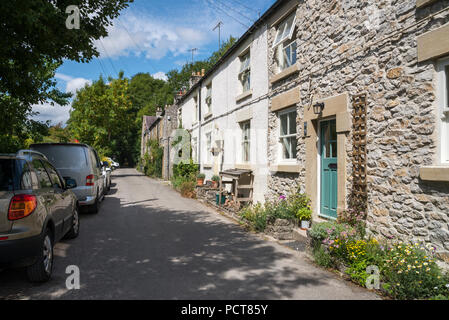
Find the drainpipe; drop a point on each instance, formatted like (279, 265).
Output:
(199, 124)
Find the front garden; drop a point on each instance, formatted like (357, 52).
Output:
(396, 269)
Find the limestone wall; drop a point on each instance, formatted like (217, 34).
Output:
(370, 47)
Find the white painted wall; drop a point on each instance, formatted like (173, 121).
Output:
(223, 123)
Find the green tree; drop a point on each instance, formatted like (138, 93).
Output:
(34, 41)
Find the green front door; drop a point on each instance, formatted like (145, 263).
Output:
(329, 169)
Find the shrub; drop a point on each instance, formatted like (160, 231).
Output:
(185, 170)
(215, 178)
(153, 160)
(411, 272)
(256, 217)
(322, 257)
(329, 231)
(187, 189)
(201, 176)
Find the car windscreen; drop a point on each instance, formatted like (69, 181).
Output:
(64, 157)
(14, 175)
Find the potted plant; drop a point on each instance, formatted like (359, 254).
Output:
(200, 178)
(305, 214)
(215, 180)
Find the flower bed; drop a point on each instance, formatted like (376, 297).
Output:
(406, 271)
(292, 208)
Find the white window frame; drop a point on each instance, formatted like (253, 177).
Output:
(195, 101)
(245, 72)
(194, 149)
(281, 157)
(246, 125)
(208, 98)
(282, 27)
(288, 61)
(209, 147)
(443, 103)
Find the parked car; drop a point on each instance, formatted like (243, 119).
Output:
(116, 165)
(37, 209)
(81, 163)
(106, 174)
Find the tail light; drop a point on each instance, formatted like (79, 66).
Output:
(90, 180)
(21, 206)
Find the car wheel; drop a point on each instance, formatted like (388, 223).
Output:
(75, 229)
(41, 270)
(94, 208)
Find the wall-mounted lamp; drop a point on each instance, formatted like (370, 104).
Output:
(318, 107)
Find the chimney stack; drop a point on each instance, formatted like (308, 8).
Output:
(158, 112)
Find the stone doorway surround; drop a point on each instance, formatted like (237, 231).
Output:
(336, 107)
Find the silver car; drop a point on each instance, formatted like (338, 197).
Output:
(37, 209)
(81, 163)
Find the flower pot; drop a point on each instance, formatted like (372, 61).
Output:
(305, 224)
(214, 184)
(200, 182)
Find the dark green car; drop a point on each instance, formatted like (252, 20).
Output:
(37, 209)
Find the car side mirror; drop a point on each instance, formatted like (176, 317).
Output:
(70, 183)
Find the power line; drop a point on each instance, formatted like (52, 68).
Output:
(102, 68)
(236, 11)
(108, 57)
(135, 43)
(246, 7)
(232, 17)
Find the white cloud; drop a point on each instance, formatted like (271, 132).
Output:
(55, 114)
(76, 83)
(156, 37)
(160, 75)
(72, 84)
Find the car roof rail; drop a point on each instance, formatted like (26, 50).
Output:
(30, 153)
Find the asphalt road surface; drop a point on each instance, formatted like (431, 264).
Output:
(147, 242)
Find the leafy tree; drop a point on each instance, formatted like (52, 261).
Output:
(34, 41)
(57, 134)
(102, 117)
(34, 36)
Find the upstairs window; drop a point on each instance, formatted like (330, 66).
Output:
(285, 43)
(443, 101)
(287, 134)
(208, 99)
(245, 72)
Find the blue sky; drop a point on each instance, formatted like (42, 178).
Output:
(155, 36)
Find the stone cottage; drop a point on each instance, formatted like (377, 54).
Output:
(359, 110)
(160, 128)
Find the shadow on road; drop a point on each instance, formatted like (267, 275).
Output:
(139, 250)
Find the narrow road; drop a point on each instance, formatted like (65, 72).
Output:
(147, 242)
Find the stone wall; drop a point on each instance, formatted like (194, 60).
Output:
(359, 47)
(170, 123)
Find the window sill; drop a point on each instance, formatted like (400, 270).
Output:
(434, 173)
(208, 115)
(244, 95)
(194, 123)
(207, 166)
(285, 73)
(287, 167)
